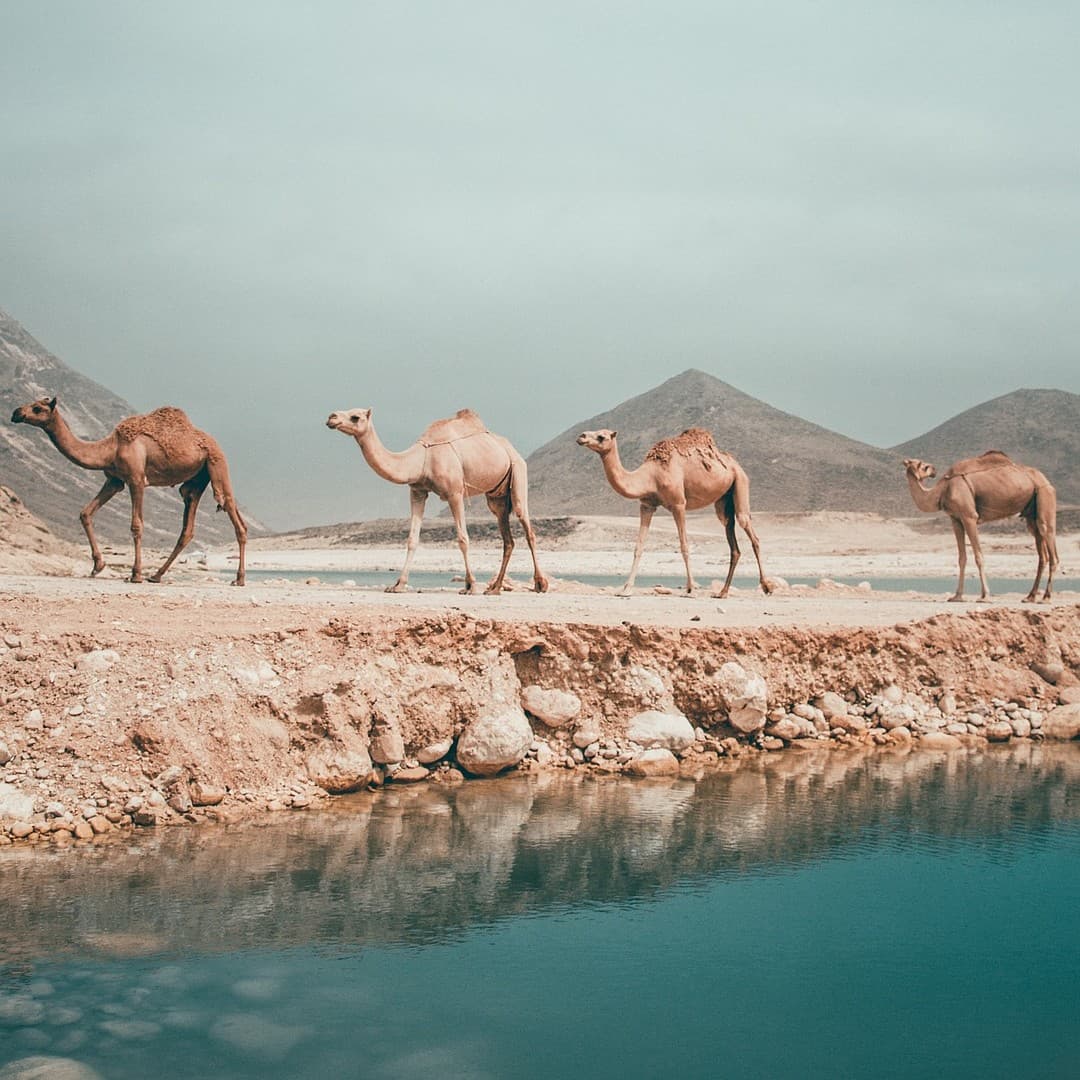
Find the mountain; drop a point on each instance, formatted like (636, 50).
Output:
(1035, 427)
(51, 486)
(793, 465)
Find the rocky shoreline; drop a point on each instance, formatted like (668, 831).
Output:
(116, 718)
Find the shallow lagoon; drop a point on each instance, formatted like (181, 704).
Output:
(834, 914)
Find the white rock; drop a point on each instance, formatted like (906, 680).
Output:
(555, 708)
(386, 747)
(787, 728)
(831, 704)
(14, 804)
(1062, 722)
(1021, 726)
(669, 730)
(585, 734)
(745, 697)
(428, 755)
(495, 742)
(898, 715)
(97, 660)
(893, 694)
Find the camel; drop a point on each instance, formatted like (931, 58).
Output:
(158, 449)
(988, 488)
(685, 473)
(454, 459)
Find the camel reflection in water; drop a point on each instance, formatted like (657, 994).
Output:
(425, 864)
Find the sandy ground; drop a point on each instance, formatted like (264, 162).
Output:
(820, 547)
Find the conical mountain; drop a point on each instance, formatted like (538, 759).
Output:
(51, 486)
(793, 465)
(1036, 427)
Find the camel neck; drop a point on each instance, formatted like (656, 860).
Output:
(631, 485)
(926, 499)
(404, 468)
(89, 455)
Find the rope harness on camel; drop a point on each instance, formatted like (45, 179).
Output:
(499, 490)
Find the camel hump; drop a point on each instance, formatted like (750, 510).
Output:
(992, 459)
(166, 423)
(462, 424)
(692, 441)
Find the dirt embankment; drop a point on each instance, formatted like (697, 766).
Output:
(141, 709)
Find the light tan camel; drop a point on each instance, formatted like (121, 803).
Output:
(454, 459)
(680, 474)
(157, 449)
(988, 488)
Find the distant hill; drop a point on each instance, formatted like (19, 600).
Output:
(793, 465)
(1036, 427)
(51, 486)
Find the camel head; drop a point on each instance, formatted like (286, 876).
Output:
(39, 413)
(921, 470)
(603, 441)
(355, 422)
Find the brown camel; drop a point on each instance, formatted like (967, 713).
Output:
(157, 449)
(680, 474)
(454, 459)
(988, 488)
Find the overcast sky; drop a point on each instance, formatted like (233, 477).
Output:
(866, 214)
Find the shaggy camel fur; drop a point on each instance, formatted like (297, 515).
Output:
(158, 449)
(988, 488)
(680, 474)
(454, 459)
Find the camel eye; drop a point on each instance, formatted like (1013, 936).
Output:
(600, 438)
(355, 418)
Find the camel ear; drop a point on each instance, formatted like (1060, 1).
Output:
(614, 433)
(52, 404)
(908, 461)
(367, 414)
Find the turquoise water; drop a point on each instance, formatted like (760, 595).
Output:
(832, 915)
(381, 578)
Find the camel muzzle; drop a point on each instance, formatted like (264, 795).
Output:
(581, 440)
(17, 417)
(333, 422)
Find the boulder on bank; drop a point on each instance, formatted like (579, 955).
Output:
(671, 731)
(495, 742)
(339, 770)
(555, 708)
(744, 696)
(14, 804)
(1062, 722)
(655, 762)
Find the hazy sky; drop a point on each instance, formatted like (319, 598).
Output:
(867, 214)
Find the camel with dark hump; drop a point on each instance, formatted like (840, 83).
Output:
(158, 449)
(988, 488)
(454, 459)
(685, 473)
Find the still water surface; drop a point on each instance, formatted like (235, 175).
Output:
(834, 915)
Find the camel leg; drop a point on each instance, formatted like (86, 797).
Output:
(723, 512)
(519, 495)
(500, 507)
(679, 514)
(111, 486)
(457, 508)
(971, 527)
(137, 489)
(417, 500)
(1040, 551)
(218, 470)
(647, 512)
(191, 493)
(961, 559)
(1046, 518)
(747, 527)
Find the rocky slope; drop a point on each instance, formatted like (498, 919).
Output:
(1036, 427)
(793, 465)
(53, 488)
(26, 544)
(123, 713)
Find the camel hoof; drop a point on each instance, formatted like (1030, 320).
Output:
(398, 586)
(469, 590)
(624, 592)
(956, 599)
(721, 595)
(136, 579)
(238, 581)
(1029, 599)
(767, 587)
(98, 567)
(983, 600)
(541, 584)
(155, 578)
(493, 590)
